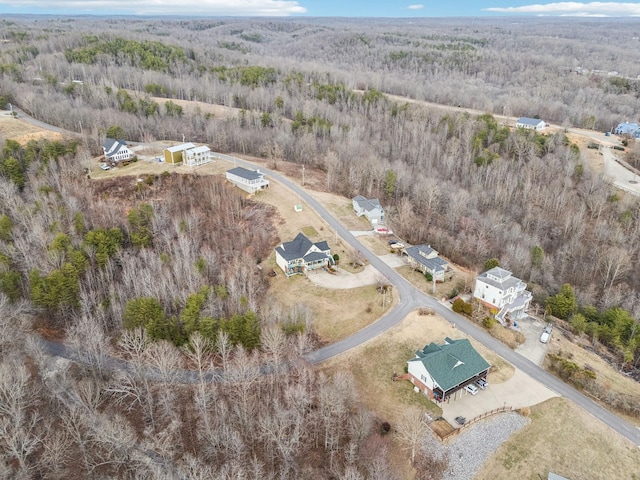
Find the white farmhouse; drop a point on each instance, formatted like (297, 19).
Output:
(194, 157)
(116, 150)
(499, 290)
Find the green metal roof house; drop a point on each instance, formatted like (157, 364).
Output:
(439, 371)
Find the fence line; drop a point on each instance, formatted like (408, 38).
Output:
(475, 420)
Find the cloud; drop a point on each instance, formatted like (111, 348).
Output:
(162, 7)
(416, 7)
(582, 9)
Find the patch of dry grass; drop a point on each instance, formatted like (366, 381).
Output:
(337, 313)
(564, 439)
(22, 132)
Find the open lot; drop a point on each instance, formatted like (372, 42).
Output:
(573, 349)
(563, 439)
(21, 131)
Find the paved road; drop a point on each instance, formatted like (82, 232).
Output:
(410, 299)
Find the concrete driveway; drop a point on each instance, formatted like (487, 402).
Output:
(519, 391)
(344, 279)
(532, 348)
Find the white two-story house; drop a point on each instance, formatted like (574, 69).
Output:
(116, 150)
(499, 290)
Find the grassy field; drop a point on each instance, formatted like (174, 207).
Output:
(21, 131)
(564, 439)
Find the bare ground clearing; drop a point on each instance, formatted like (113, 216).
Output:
(564, 439)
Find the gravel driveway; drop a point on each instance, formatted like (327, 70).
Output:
(468, 451)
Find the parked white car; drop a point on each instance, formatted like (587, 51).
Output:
(546, 334)
(472, 389)
(104, 166)
(482, 383)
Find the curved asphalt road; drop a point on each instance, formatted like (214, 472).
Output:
(410, 299)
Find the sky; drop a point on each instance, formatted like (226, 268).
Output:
(322, 8)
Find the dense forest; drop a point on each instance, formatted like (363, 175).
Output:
(319, 92)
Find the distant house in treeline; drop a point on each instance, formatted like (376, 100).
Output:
(627, 128)
(530, 123)
(116, 150)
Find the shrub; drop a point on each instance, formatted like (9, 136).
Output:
(467, 308)
(488, 322)
(458, 305)
(428, 276)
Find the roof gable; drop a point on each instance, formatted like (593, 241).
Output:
(451, 364)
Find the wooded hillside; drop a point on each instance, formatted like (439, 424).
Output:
(315, 92)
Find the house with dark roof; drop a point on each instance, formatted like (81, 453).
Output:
(530, 123)
(116, 150)
(301, 255)
(370, 208)
(426, 259)
(248, 180)
(439, 371)
(498, 289)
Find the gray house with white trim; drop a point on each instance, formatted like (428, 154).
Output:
(426, 259)
(301, 255)
(370, 208)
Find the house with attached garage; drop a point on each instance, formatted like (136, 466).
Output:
(530, 123)
(250, 181)
(116, 150)
(175, 155)
(440, 371)
(370, 208)
(301, 255)
(498, 289)
(426, 259)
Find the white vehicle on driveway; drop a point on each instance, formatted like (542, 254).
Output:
(472, 389)
(546, 334)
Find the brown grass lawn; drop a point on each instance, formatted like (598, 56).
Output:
(373, 364)
(564, 439)
(21, 131)
(459, 280)
(606, 374)
(341, 208)
(337, 313)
